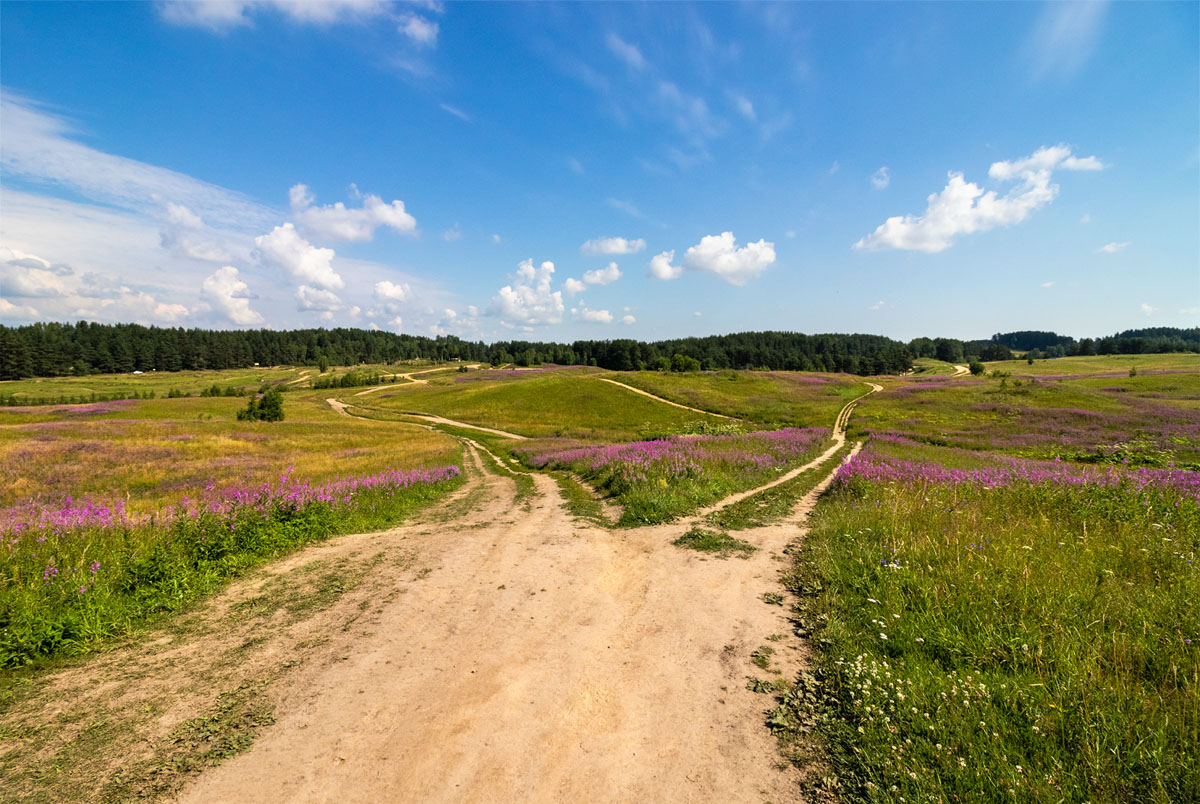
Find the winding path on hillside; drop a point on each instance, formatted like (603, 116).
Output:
(411, 379)
(667, 401)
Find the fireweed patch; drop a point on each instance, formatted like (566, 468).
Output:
(659, 480)
(78, 573)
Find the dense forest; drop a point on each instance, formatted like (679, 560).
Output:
(54, 349)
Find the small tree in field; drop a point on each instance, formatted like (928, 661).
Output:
(267, 409)
(976, 368)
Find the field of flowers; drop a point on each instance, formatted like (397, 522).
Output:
(662, 479)
(996, 629)
(112, 512)
(1073, 417)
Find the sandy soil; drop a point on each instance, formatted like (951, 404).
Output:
(667, 401)
(960, 371)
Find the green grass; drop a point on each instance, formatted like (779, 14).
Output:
(767, 398)
(1100, 364)
(580, 502)
(1025, 643)
(716, 542)
(571, 403)
(774, 503)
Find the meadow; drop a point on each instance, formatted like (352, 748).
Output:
(767, 398)
(115, 512)
(998, 590)
(568, 402)
(1095, 415)
(998, 628)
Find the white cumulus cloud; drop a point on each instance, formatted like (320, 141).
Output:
(964, 207)
(284, 248)
(603, 276)
(316, 300)
(594, 316)
(612, 245)
(1148, 310)
(719, 254)
(661, 267)
(529, 300)
(230, 296)
(338, 222)
(389, 291)
(628, 319)
(22, 311)
(573, 286)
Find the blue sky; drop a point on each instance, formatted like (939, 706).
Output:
(597, 170)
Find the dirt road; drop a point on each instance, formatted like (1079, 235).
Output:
(667, 401)
(542, 660)
(495, 649)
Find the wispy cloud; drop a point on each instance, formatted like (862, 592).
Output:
(625, 51)
(1063, 38)
(880, 178)
(42, 146)
(627, 207)
(454, 110)
(612, 245)
(1113, 248)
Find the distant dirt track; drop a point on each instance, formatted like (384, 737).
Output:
(667, 401)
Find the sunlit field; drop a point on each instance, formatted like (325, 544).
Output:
(113, 512)
(558, 402)
(998, 628)
(767, 398)
(1097, 415)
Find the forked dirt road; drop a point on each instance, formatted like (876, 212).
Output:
(541, 660)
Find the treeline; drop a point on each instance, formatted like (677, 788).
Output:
(1150, 340)
(60, 349)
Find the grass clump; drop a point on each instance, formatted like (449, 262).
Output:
(716, 542)
(1025, 641)
(579, 501)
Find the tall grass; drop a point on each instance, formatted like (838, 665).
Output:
(74, 576)
(1004, 639)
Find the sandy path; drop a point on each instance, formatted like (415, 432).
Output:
(303, 376)
(429, 417)
(667, 401)
(541, 660)
(960, 370)
(340, 407)
(839, 440)
(410, 379)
